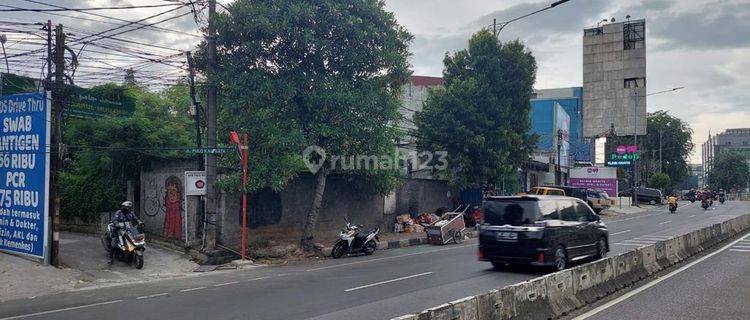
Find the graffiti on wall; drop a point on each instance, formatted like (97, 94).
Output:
(162, 202)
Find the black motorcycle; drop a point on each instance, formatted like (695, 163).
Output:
(130, 242)
(353, 239)
(672, 207)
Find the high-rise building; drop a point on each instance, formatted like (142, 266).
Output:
(731, 139)
(614, 79)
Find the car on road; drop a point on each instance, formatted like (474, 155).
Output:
(649, 195)
(598, 200)
(540, 231)
(547, 191)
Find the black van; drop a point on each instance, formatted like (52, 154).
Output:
(650, 195)
(540, 231)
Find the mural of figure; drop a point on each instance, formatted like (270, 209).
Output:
(172, 202)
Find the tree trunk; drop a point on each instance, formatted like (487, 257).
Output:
(308, 238)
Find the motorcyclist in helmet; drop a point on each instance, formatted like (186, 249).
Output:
(125, 214)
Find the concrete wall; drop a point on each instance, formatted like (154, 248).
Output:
(606, 65)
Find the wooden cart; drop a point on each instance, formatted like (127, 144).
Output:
(450, 227)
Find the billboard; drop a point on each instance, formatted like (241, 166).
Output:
(602, 178)
(562, 123)
(24, 170)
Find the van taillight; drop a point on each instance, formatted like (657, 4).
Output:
(540, 258)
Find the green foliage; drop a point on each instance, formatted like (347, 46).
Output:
(300, 73)
(729, 170)
(105, 153)
(481, 116)
(677, 145)
(659, 181)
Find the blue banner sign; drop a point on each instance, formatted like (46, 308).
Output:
(24, 173)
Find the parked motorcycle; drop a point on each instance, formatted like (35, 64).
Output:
(130, 242)
(672, 207)
(354, 239)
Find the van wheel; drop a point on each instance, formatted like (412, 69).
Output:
(601, 248)
(561, 259)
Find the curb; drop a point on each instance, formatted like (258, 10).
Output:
(395, 244)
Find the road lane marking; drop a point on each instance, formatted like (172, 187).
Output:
(192, 289)
(741, 246)
(739, 250)
(621, 232)
(633, 218)
(226, 283)
(665, 222)
(652, 283)
(387, 258)
(632, 244)
(691, 216)
(152, 296)
(60, 310)
(261, 278)
(388, 281)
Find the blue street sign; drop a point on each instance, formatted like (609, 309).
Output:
(24, 173)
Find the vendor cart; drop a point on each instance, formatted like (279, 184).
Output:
(450, 227)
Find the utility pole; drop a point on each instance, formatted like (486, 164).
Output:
(200, 159)
(661, 133)
(211, 194)
(558, 173)
(58, 101)
(635, 143)
(48, 83)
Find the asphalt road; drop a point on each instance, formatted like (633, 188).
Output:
(715, 288)
(387, 284)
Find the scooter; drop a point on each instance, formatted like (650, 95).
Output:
(704, 204)
(130, 242)
(354, 239)
(721, 199)
(672, 207)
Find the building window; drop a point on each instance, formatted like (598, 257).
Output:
(592, 32)
(630, 83)
(634, 35)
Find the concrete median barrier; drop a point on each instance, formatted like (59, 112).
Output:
(628, 269)
(558, 294)
(593, 281)
(559, 289)
(530, 298)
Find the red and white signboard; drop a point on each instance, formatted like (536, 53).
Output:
(195, 183)
(601, 178)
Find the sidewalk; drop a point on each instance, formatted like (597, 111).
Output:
(85, 264)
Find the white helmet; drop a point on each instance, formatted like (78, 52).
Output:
(127, 204)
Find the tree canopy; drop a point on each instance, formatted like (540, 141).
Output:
(729, 170)
(676, 146)
(481, 115)
(300, 73)
(105, 153)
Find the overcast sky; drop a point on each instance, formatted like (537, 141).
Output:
(703, 45)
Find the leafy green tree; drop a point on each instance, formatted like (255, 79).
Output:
(659, 181)
(481, 115)
(300, 73)
(676, 146)
(729, 170)
(105, 153)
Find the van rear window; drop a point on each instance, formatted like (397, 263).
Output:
(515, 212)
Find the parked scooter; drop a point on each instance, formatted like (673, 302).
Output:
(130, 242)
(354, 239)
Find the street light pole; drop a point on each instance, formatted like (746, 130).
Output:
(635, 138)
(661, 133)
(496, 30)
